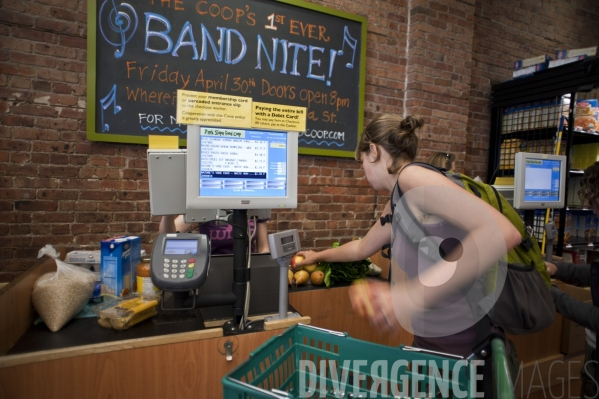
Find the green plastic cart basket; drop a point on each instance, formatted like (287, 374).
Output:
(311, 362)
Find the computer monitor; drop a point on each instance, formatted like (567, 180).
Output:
(539, 181)
(230, 168)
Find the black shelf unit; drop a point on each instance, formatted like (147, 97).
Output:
(548, 85)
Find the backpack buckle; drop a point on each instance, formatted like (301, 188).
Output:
(529, 230)
(386, 255)
(526, 243)
(386, 219)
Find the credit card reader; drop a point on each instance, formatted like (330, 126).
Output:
(180, 261)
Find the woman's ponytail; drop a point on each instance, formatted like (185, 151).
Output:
(395, 134)
(411, 123)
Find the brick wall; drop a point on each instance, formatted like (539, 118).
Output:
(513, 29)
(435, 58)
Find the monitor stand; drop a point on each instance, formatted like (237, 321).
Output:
(241, 277)
(177, 312)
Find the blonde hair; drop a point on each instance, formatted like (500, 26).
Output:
(442, 160)
(396, 135)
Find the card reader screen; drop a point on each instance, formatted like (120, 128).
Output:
(181, 247)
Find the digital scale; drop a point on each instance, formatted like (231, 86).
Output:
(283, 246)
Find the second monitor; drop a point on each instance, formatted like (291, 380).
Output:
(539, 181)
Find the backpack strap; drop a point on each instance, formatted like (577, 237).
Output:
(424, 165)
(406, 220)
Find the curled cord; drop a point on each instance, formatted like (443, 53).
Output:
(249, 257)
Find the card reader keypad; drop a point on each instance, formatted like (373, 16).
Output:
(178, 268)
(180, 261)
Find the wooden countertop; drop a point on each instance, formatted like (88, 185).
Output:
(216, 332)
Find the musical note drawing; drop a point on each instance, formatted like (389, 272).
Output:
(120, 19)
(105, 103)
(351, 42)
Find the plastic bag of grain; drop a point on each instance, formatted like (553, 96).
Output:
(58, 296)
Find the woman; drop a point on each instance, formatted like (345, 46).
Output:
(387, 149)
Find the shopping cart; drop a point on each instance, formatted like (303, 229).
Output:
(306, 361)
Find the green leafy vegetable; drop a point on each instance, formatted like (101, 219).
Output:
(343, 271)
(335, 272)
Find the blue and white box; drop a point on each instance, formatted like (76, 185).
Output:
(528, 62)
(120, 256)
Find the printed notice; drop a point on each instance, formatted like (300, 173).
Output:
(209, 109)
(279, 117)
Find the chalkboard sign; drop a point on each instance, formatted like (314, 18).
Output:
(281, 52)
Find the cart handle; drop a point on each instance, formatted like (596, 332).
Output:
(257, 389)
(412, 349)
(503, 381)
(332, 332)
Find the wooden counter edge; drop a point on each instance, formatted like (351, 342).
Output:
(42, 356)
(279, 324)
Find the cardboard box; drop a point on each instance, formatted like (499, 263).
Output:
(120, 256)
(588, 51)
(528, 62)
(564, 61)
(507, 153)
(569, 256)
(524, 72)
(588, 224)
(573, 334)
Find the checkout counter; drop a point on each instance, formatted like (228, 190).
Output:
(188, 363)
(150, 360)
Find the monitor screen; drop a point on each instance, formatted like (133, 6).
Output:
(229, 168)
(539, 181)
(242, 163)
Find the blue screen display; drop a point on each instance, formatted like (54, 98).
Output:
(542, 180)
(181, 247)
(242, 163)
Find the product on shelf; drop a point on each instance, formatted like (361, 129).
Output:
(531, 116)
(588, 52)
(529, 66)
(508, 151)
(584, 155)
(586, 116)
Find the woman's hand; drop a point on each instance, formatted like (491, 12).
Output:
(310, 257)
(373, 300)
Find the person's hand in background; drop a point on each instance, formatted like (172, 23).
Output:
(551, 268)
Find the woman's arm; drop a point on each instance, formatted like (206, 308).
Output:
(173, 224)
(355, 250)
(262, 238)
(582, 313)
